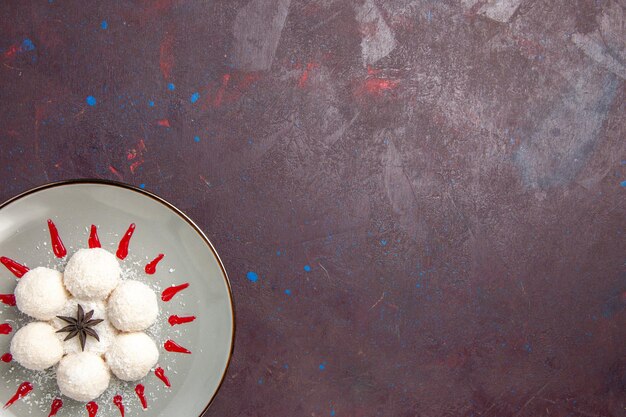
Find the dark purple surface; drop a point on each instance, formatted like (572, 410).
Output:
(451, 172)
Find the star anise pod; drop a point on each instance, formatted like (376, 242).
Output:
(80, 326)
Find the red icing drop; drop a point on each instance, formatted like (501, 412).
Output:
(17, 269)
(171, 346)
(5, 328)
(170, 292)
(57, 244)
(55, 407)
(160, 373)
(140, 389)
(151, 267)
(7, 357)
(8, 299)
(174, 320)
(22, 391)
(117, 400)
(122, 249)
(94, 240)
(92, 409)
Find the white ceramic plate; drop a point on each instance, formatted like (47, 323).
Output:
(189, 258)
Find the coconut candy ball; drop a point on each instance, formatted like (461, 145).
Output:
(40, 293)
(132, 306)
(36, 346)
(92, 274)
(83, 376)
(132, 356)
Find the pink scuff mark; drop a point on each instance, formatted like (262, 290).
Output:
(305, 74)
(116, 173)
(166, 55)
(220, 93)
(164, 123)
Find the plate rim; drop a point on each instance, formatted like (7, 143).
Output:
(180, 213)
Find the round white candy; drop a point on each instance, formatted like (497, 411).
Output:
(83, 376)
(132, 356)
(40, 293)
(133, 307)
(105, 331)
(36, 346)
(92, 274)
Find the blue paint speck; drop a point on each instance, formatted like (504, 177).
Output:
(196, 138)
(252, 276)
(286, 366)
(418, 285)
(277, 253)
(429, 16)
(288, 292)
(332, 412)
(260, 381)
(527, 347)
(383, 242)
(307, 268)
(142, 185)
(623, 183)
(28, 45)
(104, 25)
(171, 87)
(91, 100)
(194, 97)
(151, 103)
(322, 366)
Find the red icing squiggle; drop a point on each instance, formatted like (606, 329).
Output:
(16, 269)
(117, 400)
(151, 267)
(8, 299)
(22, 391)
(92, 409)
(122, 249)
(7, 357)
(172, 346)
(160, 373)
(5, 328)
(94, 240)
(170, 292)
(57, 244)
(174, 320)
(55, 407)
(139, 390)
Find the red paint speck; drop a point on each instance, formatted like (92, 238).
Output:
(139, 390)
(151, 266)
(17, 269)
(164, 123)
(166, 55)
(122, 249)
(305, 75)
(57, 244)
(220, 93)
(117, 400)
(135, 165)
(116, 173)
(8, 299)
(379, 85)
(94, 240)
(22, 391)
(6, 358)
(92, 409)
(170, 292)
(57, 404)
(174, 320)
(5, 328)
(172, 346)
(160, 373)
(13, 49)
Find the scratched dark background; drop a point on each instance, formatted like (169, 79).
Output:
(420, 203)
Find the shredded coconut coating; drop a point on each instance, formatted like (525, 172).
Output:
(83, 376)
(92, 274)
(132, 356)
(133, 307)
(40, 293)
(36, 346)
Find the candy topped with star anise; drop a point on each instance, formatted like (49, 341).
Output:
(81, 326)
